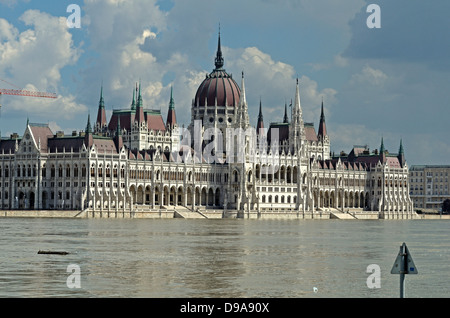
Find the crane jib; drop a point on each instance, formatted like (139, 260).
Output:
(26, 93)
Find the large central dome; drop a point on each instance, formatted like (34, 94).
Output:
(218, 87)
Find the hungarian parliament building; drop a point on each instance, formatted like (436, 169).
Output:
(136, 161)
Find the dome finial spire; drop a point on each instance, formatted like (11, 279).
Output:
(219, 58)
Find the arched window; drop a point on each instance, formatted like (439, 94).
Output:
(235, 174)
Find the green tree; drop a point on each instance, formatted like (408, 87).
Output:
(446, 206)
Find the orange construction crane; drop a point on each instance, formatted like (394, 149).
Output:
(21, 92)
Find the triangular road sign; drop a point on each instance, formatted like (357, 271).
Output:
(404, 263)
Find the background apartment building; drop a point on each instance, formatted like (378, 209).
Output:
(429, 186)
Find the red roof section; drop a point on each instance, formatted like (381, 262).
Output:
(310, 132)
(126, 118)
(154, 121)
(41, 133)
(105, 145)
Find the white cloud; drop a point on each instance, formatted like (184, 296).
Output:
(8, 3)
(63, 107)
(117, 31)
(7, 31)
(54, 127)
(274, 82)
(345, 136)
(33, 59)
(135, 46)
(341, 61)
(371, 76)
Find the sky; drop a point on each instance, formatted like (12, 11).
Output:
(389, 83)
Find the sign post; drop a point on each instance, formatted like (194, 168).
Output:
(403, 265)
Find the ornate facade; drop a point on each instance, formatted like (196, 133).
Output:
(138, 161)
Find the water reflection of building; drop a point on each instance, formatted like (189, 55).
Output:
(128, 162)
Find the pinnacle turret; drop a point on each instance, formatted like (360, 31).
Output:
(171, 116)
(285, 118)
(219, 58)
(139, 107)
(322, 126)
(133, 103)
(382, 150)
(260, 124)
(101, 114)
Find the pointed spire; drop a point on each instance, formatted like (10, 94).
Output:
(243, 99)
(102, 102)
(139, 108)
(297, 105)
(171, 103)
(322, 116)
(219, 58)
(133, 102)
(171, 116)
(260, 124)
(88, 138)
(88, 126)
(101, 114)
(400, 150)
(286, 118)
(297, 133)
(322, 126)
(139, 100)
(401, 155)
(260, 116)
(382, 150)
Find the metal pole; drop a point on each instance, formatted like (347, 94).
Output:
(403, 270)
(402, 285)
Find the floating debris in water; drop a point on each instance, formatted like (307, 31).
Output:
(53, 252)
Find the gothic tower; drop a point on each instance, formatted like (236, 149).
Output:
(297, 128)
(101, 124)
